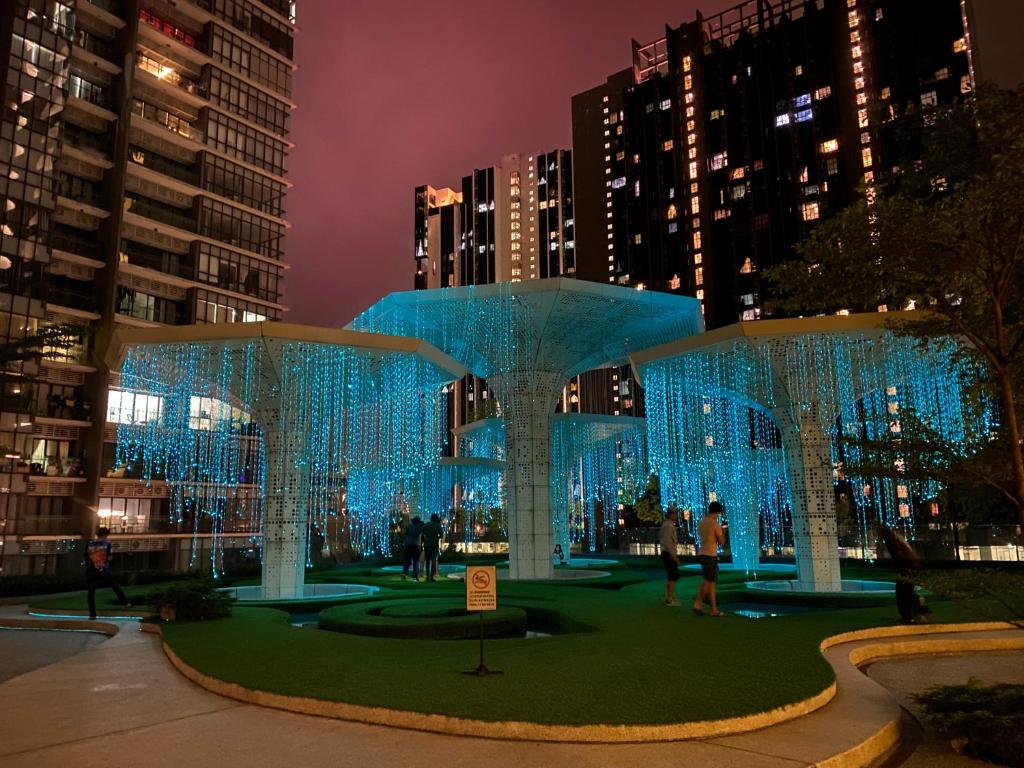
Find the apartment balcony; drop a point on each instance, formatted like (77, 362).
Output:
(162, 214)
(42, 485)
(66, 372)
(125, 488)
(80, 301)
(43, 529)
(68, 243)
(107, 11)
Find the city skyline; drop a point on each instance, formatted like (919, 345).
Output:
(358, 210)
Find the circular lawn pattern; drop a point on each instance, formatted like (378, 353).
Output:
(422, 619)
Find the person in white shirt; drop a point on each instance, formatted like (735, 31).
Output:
(669, 538)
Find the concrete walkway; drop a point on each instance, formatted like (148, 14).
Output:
(122, 703)
(907, 677)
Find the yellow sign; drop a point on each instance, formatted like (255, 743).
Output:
(481, 588)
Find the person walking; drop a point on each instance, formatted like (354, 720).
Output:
(97, 570)
(908, 602)
(711, 538)
(411, 548)
(669, 539)
(432, 535)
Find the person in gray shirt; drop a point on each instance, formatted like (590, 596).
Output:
(669, 538)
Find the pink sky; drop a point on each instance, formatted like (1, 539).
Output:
(395, 94)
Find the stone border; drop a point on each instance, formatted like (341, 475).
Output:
(102, 627)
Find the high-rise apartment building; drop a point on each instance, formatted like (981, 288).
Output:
(510, 221)
(734, 134)
(143, 171)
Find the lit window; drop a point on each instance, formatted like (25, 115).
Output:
(804, 115)
(673, 227)
(747, 299)
(619, 182)
(719, 161)
(687, 63)
(748, 267)
(666, 104)
(930, 99)
(865, 157)
(696, 240)
(667, 145)
(672, 213)
(809, 211)
(802, 101)
(832, 145)
(959, 46)
(823, 93)
(782, 120)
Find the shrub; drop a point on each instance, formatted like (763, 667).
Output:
(989, 720)
(191, 601)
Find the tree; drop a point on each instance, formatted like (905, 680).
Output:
(33, 346)
(648, 507)
(943, 232)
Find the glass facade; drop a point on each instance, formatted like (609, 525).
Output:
(125, 200)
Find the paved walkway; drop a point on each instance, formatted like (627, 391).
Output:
(907, 677)
(122, 703)
(22, 650)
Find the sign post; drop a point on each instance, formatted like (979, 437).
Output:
(481, 595)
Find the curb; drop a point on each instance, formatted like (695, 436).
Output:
(102, 627)
(100, 614)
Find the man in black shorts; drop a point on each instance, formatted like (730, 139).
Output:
(711, 538)
(669, 539)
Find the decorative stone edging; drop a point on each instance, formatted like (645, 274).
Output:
(876, 745)
(103, 627)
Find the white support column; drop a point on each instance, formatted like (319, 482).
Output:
(809, 455)
(285, 512)
(528, 399)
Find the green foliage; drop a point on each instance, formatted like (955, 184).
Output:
(1003, 591)
(195, 600)
(32, 347)
(989, 719)
(648, 507)
(946, 232)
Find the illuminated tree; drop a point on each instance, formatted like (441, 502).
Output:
(943, 232)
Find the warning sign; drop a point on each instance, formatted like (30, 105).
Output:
(481, 588)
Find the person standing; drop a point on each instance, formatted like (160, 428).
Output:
(411, 548)
(97, 570)
(711, 538)
(669, 539)
(432, 535)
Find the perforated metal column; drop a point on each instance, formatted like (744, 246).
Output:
(528, 399)
(809, 454)
(285, 512)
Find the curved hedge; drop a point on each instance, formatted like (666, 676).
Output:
(422, 619)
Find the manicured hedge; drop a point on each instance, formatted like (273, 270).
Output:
(423, 619)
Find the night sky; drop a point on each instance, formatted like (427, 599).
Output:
(394, 93)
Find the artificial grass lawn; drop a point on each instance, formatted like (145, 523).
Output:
(643, 663)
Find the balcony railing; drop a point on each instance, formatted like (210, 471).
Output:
(170, 216)
(166, 167)
(42, 485)
(93, 44)
(173, 123)
(159, 261)
(64, 241)
(66, 297)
